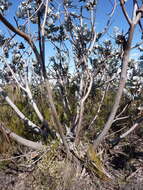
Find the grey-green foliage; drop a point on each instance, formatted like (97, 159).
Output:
(4, 5)
(26, 9)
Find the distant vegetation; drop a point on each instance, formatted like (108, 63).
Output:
(70, 95)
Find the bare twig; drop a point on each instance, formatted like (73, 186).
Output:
(120, 118)
(99, 107)
(136, 124)
(81, 111)
(38, 9)
(27, 90)
(124, 109)
(137, 45)
(122, 2)
(22, 34)
(139, 13)
(45, 17)
(107, 136)
(18, 112)
(113, 9)
(123, 79)
(129, 131)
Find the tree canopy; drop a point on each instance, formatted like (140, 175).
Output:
(75, 79)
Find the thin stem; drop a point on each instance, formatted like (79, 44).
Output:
(123, 79)
(122, 2)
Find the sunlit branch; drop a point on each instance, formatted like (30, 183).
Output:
(21, 140)
(18, 112)
(22, 34)
(99, 107)
(122, 2)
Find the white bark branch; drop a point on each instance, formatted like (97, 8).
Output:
(27, 91)
(21, 140)
(99, 108)
(81, 111)
(18, 112)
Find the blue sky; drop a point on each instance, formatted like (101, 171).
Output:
(118, 20)
(103, 9)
